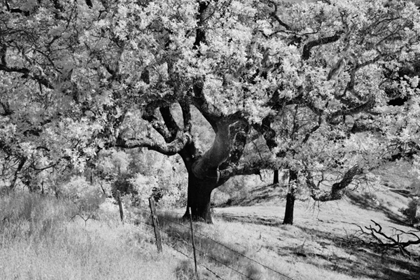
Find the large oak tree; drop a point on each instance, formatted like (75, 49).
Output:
(78, 77)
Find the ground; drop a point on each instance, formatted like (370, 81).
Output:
(38, 240)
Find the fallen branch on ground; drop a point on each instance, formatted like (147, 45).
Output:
(381, 239)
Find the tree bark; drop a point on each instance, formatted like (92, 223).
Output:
(276, 177)
(290, 199)
(290, 206)
(199, 195)
(203, 171)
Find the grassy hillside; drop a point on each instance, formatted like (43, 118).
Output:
(40, 238)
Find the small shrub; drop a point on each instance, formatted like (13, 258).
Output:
(415, 187)
(185, 271)
(87, 198)
(26, 215)
(411, 211)
(370, 196)
(254, 272)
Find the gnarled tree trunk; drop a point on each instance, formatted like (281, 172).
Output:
(203, 171)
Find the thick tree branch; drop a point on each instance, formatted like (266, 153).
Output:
(170, 122)
(306, 53)
(212, 114)
(22, 162)
(186, 115)
(276, 17)
(150, 116)
(200, 36)
(169, 149)
(331, 118)
(251, 168)
(236, 170)
(337, 189)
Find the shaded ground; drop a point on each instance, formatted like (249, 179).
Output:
(325, 241)
(325, 236)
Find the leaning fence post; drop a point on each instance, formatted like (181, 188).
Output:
(155, 224)
(120, 206)
(192, 240)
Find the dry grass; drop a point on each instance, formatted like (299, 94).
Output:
(323, 244)
(38, 241)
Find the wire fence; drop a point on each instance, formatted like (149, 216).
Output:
(168, 243)
(175, 232)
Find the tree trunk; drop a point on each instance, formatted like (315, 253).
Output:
(203, 172)
(199, 194)
(290, 199)
(15, 176)
(290, 206)
(276, 177)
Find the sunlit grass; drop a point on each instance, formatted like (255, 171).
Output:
(39, 241)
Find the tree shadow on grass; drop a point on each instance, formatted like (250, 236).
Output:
(178, 234)
(273, 222)
(366, 203)
(362, 259)
(223, 256)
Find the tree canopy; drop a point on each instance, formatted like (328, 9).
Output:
(78, 77)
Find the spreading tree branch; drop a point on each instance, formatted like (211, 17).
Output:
(276, 17)
(307, 48)
(169, 149)
(337, 189)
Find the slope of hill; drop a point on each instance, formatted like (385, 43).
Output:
(40, 238)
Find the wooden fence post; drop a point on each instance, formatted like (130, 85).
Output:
(120, 206)
(155, 224)
(192, 240)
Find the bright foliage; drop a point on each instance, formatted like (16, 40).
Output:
(77, 80)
